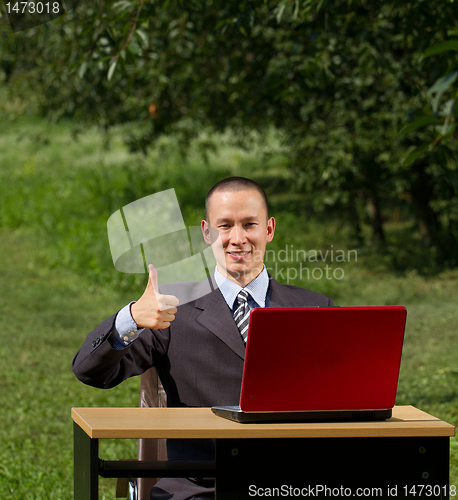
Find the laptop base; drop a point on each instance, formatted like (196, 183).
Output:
(235, 414)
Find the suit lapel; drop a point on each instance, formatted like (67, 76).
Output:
(216, 317)
(279, 296)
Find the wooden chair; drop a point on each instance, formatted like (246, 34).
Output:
(152, 394)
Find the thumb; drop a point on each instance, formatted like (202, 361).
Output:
(152, 279)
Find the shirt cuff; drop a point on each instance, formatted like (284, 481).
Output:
(126, 330)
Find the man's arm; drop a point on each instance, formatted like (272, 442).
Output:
(100, 364)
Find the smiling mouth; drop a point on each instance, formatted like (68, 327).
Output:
(239, 255)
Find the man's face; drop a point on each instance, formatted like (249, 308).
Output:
(241, 220)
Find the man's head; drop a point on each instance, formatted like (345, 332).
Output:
(237, 207)
(233, 184)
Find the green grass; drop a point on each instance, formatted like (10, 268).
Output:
(59, 283)
(47, 313)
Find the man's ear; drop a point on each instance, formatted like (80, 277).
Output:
(270, 229)
(206, 232)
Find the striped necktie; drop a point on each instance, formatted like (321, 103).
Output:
(242, 314)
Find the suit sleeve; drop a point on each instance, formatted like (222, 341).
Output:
(98, 364)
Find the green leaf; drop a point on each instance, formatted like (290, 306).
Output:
(77, 63)
(449, 108)
(224, 22)
(448, 128)
(414, 154)
(447, 158)
(133, 47)
(439, 87)
(82, 69)
(143, 37)
(448, 162)
(296, 9)
(112, 67)
(122, 6)
(280, 12)
(441, 47)
(422, 121)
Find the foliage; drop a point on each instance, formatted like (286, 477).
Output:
(337, 80)
(66, 189)
(349, 155)
(443, 116)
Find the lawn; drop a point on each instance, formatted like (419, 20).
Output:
(59, 282)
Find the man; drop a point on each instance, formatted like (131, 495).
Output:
(198, 347)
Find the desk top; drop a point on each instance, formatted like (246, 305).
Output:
(175, 423)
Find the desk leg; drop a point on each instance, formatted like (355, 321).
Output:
(86, 465)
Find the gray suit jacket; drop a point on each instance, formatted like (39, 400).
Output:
(199, 357)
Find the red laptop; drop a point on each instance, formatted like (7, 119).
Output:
(313, 363)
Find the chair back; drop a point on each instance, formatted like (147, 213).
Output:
(152, 394)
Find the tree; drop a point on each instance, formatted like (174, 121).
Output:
(337, 80)
(438, 123)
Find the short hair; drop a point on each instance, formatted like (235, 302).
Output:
(236, 184)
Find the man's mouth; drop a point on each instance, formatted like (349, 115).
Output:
(238, 255)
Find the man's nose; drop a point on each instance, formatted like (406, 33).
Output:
(237, 235)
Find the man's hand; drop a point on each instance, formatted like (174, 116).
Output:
(154, 310)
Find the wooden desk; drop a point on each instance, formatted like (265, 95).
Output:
(253, 459)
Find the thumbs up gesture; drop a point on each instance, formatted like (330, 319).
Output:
(154, 310)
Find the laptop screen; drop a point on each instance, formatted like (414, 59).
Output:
(317, 359)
